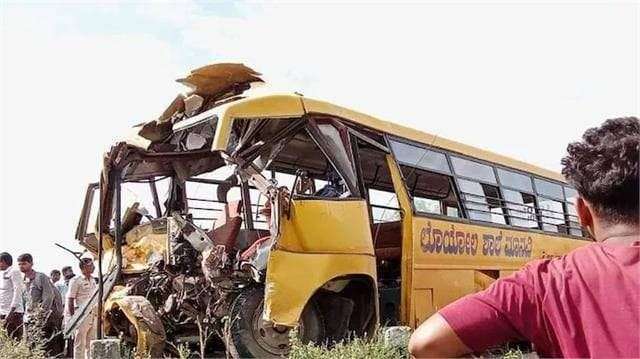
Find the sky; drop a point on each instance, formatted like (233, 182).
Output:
(520, 79)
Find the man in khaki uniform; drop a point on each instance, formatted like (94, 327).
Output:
(80, 290)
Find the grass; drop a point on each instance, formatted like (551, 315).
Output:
(354, 348)
(377, 348)
(18, 349)
(31, 347)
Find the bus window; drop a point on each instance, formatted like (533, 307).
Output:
(452, 211)
(521, 208)
(472, 169)
(549, 189)
(419, 157)
(571, 195)
(515, 180)
(384, 206)
(482, 201)
(427, 205)
(376, 178)
(431, 192)
(285, 180)
(551, 214)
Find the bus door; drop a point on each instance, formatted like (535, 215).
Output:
(324, 230)
(427, 194)
(375, 167)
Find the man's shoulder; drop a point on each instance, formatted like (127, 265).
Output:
(568, 260)
(41, 276)
(543, 272)
(14, 272)
(586, 254)
(558, 272)
(73, 282)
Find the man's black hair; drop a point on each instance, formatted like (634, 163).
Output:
(603, 167)
(84, 261)
(6, 258)
(25, 257)
(66, 268)
(54, 272)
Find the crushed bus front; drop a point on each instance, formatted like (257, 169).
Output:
(202, 244)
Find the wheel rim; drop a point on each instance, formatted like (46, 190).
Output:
(272, 338)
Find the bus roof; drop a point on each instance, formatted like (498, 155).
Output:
(293, 105)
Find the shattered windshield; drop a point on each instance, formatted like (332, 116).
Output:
(147, 201)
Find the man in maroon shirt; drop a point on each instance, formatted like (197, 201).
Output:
(585, 304)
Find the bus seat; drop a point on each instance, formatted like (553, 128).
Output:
(249, 252)
(387, 239)
(227, 225)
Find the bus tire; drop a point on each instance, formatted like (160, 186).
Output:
(252, 337)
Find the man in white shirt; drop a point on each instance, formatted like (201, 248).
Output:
(11, 289)
(80, 290)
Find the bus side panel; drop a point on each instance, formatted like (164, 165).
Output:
(293, 278)
(451, 259)
(423, 304)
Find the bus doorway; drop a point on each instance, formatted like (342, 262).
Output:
(386, 226)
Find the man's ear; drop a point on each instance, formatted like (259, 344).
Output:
(585, 214)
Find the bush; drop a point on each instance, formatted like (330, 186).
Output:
(32, 348)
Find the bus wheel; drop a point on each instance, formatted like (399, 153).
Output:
(253, 337)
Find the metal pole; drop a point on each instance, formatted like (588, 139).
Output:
(156, 201)
(118, 230)
(246, 204)
(100, 278)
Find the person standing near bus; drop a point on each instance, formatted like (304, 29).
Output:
(80, 290)
(11, 288)
(63, 285)
(43, 303)
(585, 304)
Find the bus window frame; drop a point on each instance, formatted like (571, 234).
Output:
(533, 193)
(570, 217)
(450, 176)
(564, 201)
(464, 218)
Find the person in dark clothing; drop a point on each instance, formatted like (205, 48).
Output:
(334, 187)
(585, 304)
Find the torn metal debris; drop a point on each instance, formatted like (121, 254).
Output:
(250, 196)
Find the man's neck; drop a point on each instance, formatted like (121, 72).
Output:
(87, 276)
(30, 274)
(617, 233)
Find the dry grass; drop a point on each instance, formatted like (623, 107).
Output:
(31, 347)
(377, 348)
(354, 348)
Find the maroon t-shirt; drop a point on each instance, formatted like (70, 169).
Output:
(585, 304)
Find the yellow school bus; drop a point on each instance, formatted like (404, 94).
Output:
(267, 212)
